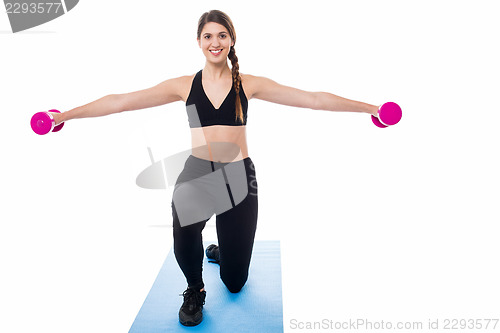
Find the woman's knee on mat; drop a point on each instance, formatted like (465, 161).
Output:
(234, 283)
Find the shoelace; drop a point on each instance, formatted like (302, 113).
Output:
(193, 297)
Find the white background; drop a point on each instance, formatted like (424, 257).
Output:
(395, 224)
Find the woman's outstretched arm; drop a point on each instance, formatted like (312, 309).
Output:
(271, 91)
(166, 92)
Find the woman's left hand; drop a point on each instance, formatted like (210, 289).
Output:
(374, 111)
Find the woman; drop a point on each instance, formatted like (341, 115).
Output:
(217, 100)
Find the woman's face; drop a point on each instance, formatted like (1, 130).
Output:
(214, 37)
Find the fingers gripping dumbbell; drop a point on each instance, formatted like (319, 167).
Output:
(43, 122)
(388, 114)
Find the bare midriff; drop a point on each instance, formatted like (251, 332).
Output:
(219, 143)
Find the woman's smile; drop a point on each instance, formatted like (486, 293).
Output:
(216, 52)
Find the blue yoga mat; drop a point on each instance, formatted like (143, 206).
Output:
(258, 307)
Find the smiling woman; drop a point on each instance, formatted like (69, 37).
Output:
(216, 99)
(218, 39)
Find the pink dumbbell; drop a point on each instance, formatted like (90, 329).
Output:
(43, 122)
(388, 114)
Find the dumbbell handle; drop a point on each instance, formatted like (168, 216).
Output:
(51, 118)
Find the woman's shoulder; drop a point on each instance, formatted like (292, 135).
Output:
(187, 78)
(184, 84)
(247, 77)
(249, 83)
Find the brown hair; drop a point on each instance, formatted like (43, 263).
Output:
(221, 18)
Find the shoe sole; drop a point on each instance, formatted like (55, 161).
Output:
(190, 321)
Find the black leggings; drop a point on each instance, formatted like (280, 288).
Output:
(228, 190)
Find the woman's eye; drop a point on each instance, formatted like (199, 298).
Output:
(222, 36)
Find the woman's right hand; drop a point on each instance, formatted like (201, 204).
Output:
(58, 117)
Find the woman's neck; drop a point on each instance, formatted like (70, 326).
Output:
(216, 72)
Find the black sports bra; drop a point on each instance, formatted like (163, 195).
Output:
(201, 111)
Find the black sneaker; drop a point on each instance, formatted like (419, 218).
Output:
(212, 252)
(190, 313)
